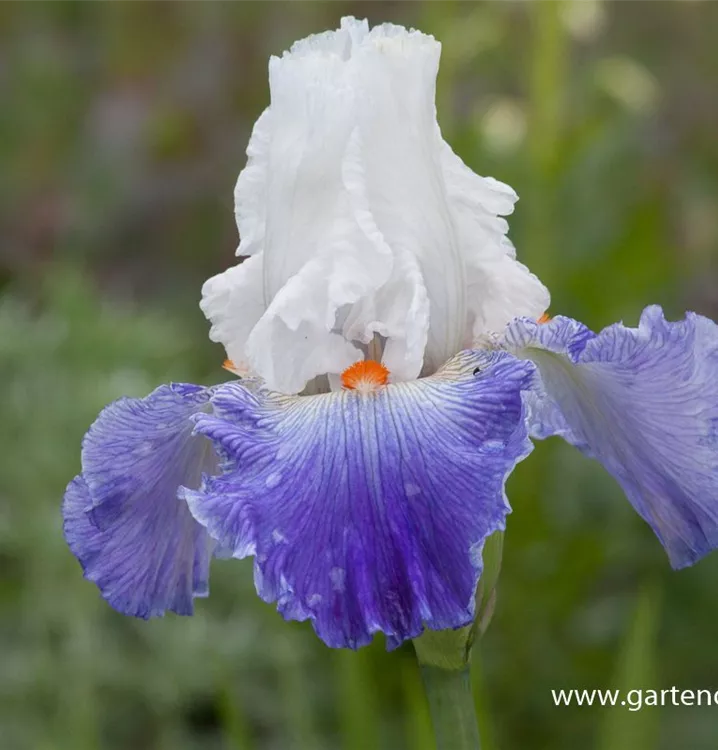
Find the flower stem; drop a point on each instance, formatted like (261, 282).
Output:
(452, 708)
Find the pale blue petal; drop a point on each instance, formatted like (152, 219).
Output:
(644, 402)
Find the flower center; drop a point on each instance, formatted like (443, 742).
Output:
(365, 376)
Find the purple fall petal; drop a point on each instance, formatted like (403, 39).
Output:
(368, 513)
(644, 402)
(124, 521)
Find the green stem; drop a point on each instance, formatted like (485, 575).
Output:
(452, 708)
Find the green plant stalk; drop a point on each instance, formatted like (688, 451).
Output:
(451, 705)
(445, 655)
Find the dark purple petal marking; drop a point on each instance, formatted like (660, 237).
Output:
(368, 512)
(644, 402)
(134, 537)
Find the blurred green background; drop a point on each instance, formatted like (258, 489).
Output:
(122, 131)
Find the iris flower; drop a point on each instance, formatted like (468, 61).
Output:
(394, 362)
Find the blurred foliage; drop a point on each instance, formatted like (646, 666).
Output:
(122, 130)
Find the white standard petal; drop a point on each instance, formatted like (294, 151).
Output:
(369, 228)
(316, 257)
(395, 74)
(499, 288)
(233, 301)
(399, 310)
(250, 192)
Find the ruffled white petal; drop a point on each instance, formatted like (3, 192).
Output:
(395, 82)
(250, 192)
(234, 302)
(368, 226)
(399, 310)
(499, 288)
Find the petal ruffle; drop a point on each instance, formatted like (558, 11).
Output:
(499, 288)
(644, 402)
(250, 192)
(124, 521)
(368, 513)
(234, 302)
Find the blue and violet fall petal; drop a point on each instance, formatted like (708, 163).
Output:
(642, 401)
(368, 512)
(123, 519)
